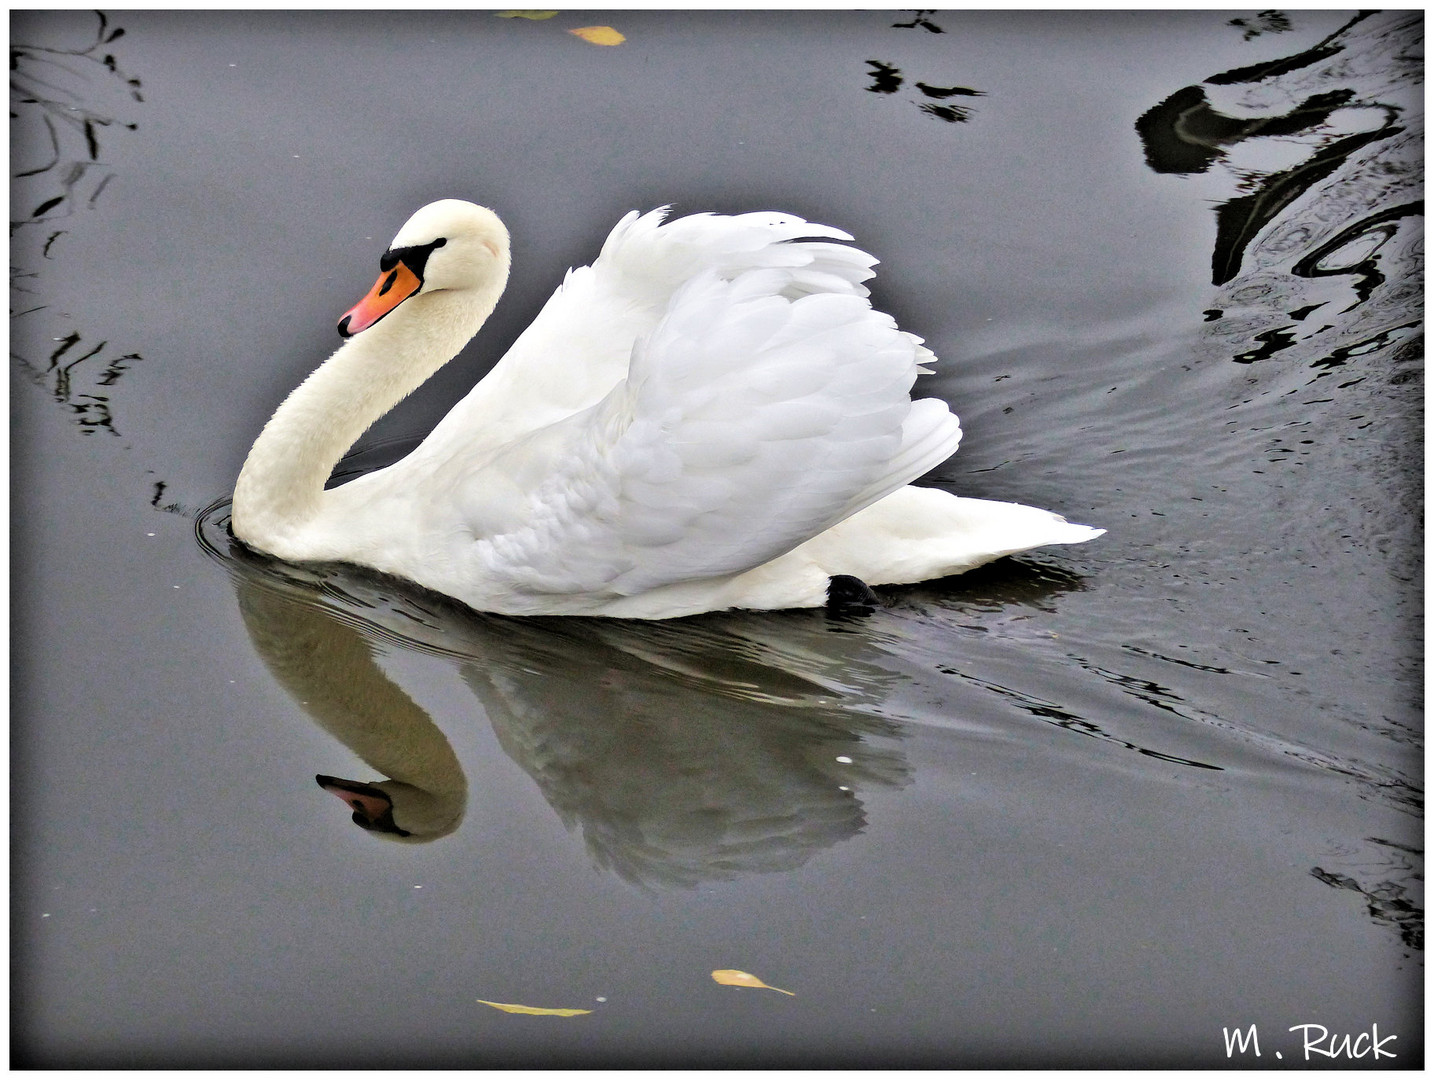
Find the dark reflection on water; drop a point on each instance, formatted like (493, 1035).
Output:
(918, 18)
(1266, 22)
(1392, 900)
(54, 91)
(682, 753)
(1065, 719)
(887, 78)
(64, 98)
(1323, 256)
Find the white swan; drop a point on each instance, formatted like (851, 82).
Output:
(709, 416)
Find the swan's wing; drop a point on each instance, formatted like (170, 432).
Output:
(755, 415)
(579, 345)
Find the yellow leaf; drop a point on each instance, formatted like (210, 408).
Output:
(599, 35)
(536, 16)
(529, 1010)
(728, 977)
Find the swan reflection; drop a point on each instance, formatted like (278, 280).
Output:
(682, 753)
(332, 672)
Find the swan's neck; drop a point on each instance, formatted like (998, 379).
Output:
(280, 489)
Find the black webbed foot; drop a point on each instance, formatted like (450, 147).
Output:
(850, 597)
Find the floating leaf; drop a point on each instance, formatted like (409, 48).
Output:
(728, 977)
(529, 1010)
(536, 16)
(599, 35)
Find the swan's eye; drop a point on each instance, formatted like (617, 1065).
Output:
(414, 257)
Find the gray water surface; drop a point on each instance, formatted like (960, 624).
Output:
(1090, 806)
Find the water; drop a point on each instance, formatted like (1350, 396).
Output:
(1091, 806)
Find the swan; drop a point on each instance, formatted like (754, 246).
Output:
(709, 416)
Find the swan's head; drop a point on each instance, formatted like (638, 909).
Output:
(448, 245)
(397, 811)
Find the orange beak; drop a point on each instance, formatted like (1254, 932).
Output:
(392, 288)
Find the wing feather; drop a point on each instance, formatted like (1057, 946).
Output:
(580, 344)
(753, 415)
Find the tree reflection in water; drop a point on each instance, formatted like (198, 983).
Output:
(63, 100)
(1322, 256)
